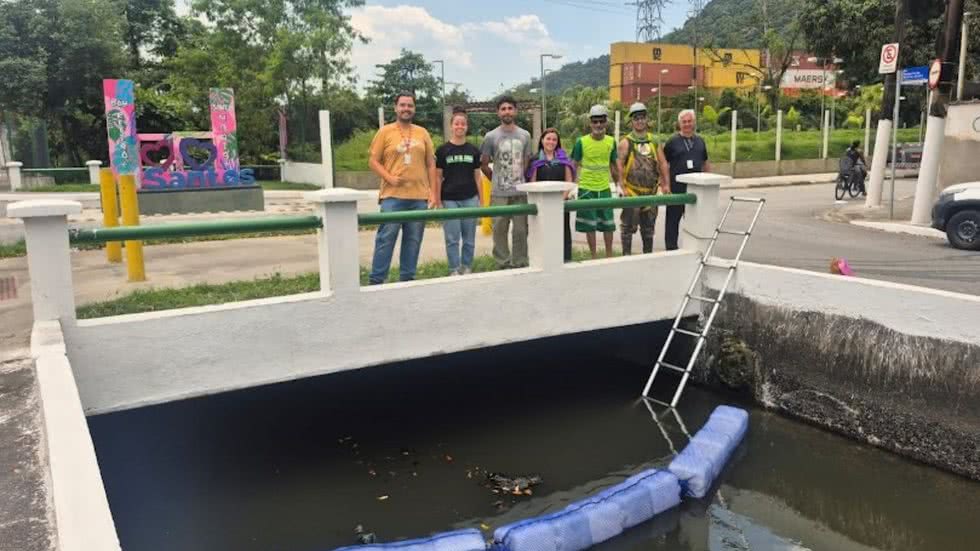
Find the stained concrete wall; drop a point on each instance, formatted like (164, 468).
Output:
(891, 365)
(82, 519)
(961, 145)
(136, 360)
(363, 180)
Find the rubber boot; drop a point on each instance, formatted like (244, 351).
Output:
(627, 244)
(647, 243)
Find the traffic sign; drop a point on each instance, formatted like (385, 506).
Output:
(915, 76)
(935, 71)
(889, 59)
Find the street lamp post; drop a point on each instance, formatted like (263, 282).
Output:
(758, 107)
(964, 37)
(544, 95)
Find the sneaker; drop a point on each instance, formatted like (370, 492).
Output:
(455, 272)
(465, 270)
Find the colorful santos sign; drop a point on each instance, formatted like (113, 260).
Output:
(176, 160)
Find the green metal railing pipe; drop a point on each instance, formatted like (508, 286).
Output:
(310, 222)
(630, 202)
(189, 229)
(445, 214)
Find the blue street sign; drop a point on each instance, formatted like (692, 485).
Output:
(915, 76)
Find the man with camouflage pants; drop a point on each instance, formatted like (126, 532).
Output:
(644, 170)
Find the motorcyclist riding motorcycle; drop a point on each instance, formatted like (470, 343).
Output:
(854, 165)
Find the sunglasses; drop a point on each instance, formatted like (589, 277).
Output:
(598, 121)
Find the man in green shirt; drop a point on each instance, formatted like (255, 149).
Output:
(595, 163)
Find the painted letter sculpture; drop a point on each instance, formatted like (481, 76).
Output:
(178, 160)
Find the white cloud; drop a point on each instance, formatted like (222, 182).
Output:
(480, 54)
(410, 27)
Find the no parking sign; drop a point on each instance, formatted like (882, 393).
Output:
(889, 59)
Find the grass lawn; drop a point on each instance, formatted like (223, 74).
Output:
(152, 300)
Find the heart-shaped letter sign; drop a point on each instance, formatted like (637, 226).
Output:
(185, 152)
(156, 147)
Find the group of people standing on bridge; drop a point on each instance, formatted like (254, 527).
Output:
(416, 176)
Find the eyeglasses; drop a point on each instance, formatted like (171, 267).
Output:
(598, 121)
(640, 117)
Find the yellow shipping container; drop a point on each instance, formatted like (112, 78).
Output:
(615, 74)
(731, 68)
(650, 52)
(616, 93)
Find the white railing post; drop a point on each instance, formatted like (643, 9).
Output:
(13, 175)
(826, 134)
(93, 172)
(340, 265)
(326, 149)
(701, 218)
(282, 170)
(546, 230)
(779, 135)
(48, 257)
(734, 135)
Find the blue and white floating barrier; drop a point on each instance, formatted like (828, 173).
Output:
(607, 514)
(459, 540)
(698, 464)
(596, 519)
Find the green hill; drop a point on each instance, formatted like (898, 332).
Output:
(593, 72)
(735, 23)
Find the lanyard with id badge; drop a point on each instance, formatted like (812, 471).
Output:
(688, 145)
(407, 146)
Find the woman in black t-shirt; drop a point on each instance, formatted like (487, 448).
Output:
(553, 165)
(458, 186)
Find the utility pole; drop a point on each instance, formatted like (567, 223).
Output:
(544, 95)
(964, 42)
(926, 185)
(885, 122)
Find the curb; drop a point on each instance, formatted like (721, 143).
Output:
(898, 227)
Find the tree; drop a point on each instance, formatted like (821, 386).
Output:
(854, 30)
(410, 72)
(54, 55)
(792, 117)
(148, 27)
(270, 53)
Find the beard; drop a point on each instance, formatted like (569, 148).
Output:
(406, 115)
(507, 119)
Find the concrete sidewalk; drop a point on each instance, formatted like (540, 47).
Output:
(854, 211)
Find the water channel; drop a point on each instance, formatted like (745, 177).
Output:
(402, 450)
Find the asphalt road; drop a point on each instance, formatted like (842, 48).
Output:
(792, 232)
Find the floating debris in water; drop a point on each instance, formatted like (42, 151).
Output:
(372, 472)
(518, 486)
(363, 537)
(382, 498)
(449, 458)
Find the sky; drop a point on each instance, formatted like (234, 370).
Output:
(491, 45)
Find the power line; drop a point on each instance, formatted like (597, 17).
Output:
(616, 9)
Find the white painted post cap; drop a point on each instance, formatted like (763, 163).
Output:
(94, 162)
(281, 161)
(541, 187)
(703, 179)
(336, 195)
(36, 208)
(14, 164)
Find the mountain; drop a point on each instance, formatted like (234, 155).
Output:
(593, 72)
(735, 23)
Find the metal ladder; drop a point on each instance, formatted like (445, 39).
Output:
(709, 262)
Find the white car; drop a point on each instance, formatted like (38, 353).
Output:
(957, 212)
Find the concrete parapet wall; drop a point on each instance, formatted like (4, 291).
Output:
(305, 173)
(136, 360)
(363, 180)
(892, 365)
(83, 521)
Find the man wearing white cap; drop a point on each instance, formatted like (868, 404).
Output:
(644, 170)
(595, 161)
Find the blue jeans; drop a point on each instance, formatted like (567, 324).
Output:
(455, 230)
(384, 242)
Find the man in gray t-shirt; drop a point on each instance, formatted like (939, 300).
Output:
(508, 147)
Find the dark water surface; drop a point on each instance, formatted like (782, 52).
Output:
(296, 466)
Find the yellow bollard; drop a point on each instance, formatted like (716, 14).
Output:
(110, 212)
(131, 217)
(486, 223)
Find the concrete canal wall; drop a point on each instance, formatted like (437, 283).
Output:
(891, 365)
